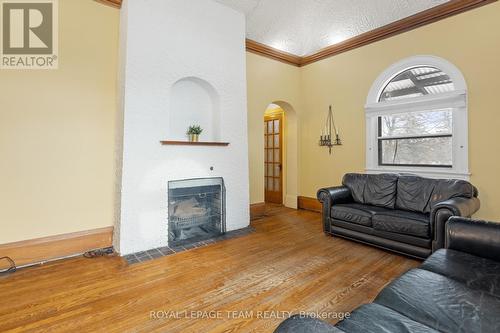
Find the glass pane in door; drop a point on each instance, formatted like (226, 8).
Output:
(269, 184)
(277, 170)
(270, 141)
(270, 170)
(277, 154)
(269, 155)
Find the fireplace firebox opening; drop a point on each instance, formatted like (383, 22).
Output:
(196, 210)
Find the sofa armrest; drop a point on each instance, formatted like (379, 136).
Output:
(442, 211)
(302, 324)
(330, 195)
(460, 206)
(337, 194)
(479, 238)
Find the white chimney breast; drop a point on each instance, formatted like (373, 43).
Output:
(167, 48)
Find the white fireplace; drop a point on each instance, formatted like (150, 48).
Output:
(182, 63)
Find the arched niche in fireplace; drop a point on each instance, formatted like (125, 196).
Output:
(194, 101)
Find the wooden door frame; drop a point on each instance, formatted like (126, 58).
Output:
(267, 117)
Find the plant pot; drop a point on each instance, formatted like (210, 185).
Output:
(194, 137)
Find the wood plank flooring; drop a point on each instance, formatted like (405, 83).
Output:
(288, 264)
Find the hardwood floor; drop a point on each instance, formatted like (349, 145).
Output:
(288, 264)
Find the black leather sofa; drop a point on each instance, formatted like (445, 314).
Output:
(401, 213)
(455, 290)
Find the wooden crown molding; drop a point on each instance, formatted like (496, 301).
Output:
(112, 3)
(55, 247)
(270, 52)
(428, 16)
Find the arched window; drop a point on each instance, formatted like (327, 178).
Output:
(416, 120)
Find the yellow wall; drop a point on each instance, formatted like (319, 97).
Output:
(471, 41)
(268, 82)
(57, 131)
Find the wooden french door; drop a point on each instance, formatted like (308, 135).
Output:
(273, 146)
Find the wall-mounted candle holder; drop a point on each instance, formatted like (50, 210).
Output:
(325, 139)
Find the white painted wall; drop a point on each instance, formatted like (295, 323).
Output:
(164, 41)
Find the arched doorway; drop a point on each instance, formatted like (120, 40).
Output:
(280, 154)
(274, 118)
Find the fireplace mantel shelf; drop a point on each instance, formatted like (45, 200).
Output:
(189, 143)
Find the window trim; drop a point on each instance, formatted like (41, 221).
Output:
(456, 100)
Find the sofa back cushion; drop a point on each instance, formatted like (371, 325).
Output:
(420, 194)
(356, 183)
(377, 190)
(380, 190)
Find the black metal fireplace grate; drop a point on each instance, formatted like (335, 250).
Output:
(196, 210)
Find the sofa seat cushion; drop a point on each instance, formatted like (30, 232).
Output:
(441, 303)
(402, 222)
(375, 318)
(476, 272)
(355, 213)
(407, 239)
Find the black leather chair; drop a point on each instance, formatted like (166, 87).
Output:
(401, 213)
(456, 290)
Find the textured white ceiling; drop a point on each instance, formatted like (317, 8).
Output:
(302, 27)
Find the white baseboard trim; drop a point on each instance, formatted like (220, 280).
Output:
(291, 201)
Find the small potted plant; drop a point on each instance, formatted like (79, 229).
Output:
(194, 132)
